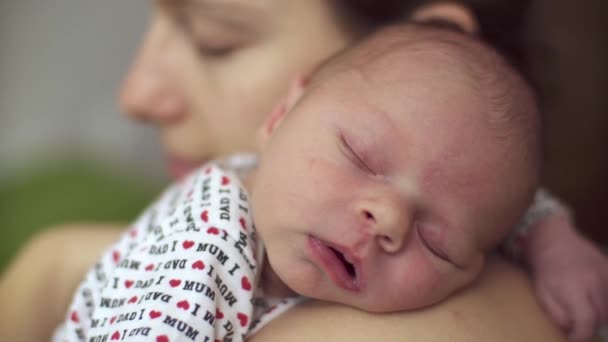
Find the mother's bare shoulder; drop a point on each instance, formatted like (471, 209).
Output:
(499, 307)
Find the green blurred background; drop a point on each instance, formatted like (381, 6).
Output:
(67, 191)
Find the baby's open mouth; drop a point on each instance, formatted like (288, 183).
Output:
(350, 268)
(340, 268)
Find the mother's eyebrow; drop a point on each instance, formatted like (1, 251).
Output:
(236, 13)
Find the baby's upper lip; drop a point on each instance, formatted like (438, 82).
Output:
(347, 252)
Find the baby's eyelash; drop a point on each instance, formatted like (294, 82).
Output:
(440, 254)
(353, 156)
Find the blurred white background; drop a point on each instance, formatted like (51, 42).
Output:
(61, 64)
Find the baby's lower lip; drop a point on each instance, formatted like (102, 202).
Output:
(330, 263)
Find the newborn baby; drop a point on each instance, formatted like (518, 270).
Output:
(404, 161)
(407, 159)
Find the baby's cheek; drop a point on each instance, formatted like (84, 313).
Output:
(423, 281)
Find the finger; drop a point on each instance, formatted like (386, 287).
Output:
(603, 299)
(599, 303)
(554, 309)
(585, 319)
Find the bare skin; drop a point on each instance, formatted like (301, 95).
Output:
(500, 306)
(58, 271)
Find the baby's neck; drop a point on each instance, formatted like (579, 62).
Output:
(272, 285)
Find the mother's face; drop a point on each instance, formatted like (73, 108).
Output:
(208, 71)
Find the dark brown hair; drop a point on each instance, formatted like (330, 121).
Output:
(502, 24)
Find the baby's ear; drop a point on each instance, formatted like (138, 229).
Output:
(273, 120)
(449, 12)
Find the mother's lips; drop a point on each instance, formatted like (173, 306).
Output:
(342, 267)
(178, 168)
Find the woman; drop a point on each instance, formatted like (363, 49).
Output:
(206, 75)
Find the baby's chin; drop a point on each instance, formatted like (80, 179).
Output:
(410, 300)
(389, 307)
(316, 286)
(361, 302)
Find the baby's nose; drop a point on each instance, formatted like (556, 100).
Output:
(391, 222)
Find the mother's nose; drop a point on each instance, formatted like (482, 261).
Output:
(391, 220)
(150, 91)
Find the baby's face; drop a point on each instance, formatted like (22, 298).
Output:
(385, 195)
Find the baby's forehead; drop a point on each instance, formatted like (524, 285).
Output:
(406, 67)
(413, 55)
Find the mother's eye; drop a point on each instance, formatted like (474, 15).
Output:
(217, 45)
(353, 156)
(214, 51)
(209, 39)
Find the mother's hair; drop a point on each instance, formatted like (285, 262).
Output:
(502, 24)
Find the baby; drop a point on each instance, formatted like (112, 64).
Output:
(382, 185)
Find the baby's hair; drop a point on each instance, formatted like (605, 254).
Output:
(512, 99)
(491, 72)
(502, 23)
